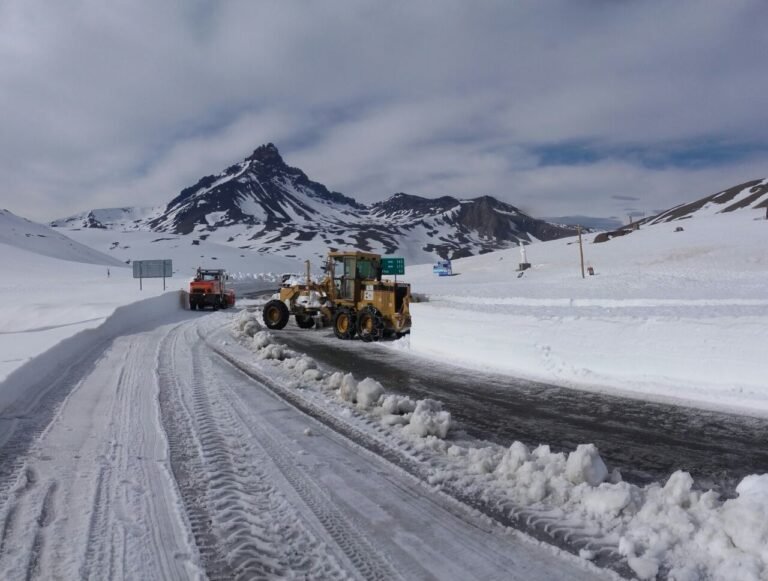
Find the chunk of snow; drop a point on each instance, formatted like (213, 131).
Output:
(677, 490)
(429, 419)
(369, 391)
(514, 457)
(334, 380)
(304, 364)
(348, 388)
(262, 339)
(312, 375)
(585, 465)
(745, 518)
(397, 404)
(607, 499)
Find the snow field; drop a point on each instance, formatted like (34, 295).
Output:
(670, 316)
(711, 362)
(669, 528)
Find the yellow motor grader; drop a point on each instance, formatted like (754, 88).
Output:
(352, 297)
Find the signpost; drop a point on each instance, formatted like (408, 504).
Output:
(393, 265)
(152, 269)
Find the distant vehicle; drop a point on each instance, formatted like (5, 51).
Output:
(443, 268)
(209, 289)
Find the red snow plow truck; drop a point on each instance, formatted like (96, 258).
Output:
(209, 289)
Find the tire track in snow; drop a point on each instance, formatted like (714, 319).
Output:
(361, 554)
(186, 461)
(95, 528)
(250, 529)
(9, 521)
(233, 511)
(43, 520)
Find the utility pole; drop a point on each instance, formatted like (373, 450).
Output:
(581, 253)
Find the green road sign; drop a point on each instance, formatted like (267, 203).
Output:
(393, 265)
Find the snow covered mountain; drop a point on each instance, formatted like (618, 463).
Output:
(264, 205)
(36, 238)
(109, 218)
(749, 195)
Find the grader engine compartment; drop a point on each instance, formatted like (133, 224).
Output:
(351, 296)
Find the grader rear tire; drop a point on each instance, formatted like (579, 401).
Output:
(344, 324)
(370, 325)
(275, 314)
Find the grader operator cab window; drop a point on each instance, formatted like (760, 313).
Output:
(367, 269)
(348, 269)
(342, 279)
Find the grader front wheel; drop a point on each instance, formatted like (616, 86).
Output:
(275, 314)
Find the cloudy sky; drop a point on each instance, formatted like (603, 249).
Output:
(592, 107)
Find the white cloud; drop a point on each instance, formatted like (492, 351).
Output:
(128, 102)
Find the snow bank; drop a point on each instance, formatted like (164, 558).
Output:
(39, 372)
(668, 529)
(420, 419)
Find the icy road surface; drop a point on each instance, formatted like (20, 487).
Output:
(143, 454)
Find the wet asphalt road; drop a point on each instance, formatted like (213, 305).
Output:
(646, 441)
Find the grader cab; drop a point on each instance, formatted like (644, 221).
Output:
(352, 297)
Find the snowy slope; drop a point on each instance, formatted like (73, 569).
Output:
(46, 300)
(749, 195)
(30, 236)
(116, 218)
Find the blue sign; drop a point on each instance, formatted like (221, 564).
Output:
(443, 268)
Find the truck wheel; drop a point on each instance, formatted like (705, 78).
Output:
(275, 314)
(370, 325)
(305, 321)
(192, 306)
(344, 323)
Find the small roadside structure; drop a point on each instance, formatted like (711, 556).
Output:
(443, 268)
(524, 264)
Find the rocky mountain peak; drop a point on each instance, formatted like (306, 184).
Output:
(267, 155)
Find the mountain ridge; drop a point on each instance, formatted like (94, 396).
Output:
(265, 205)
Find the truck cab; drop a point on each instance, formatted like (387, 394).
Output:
(209, 289)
